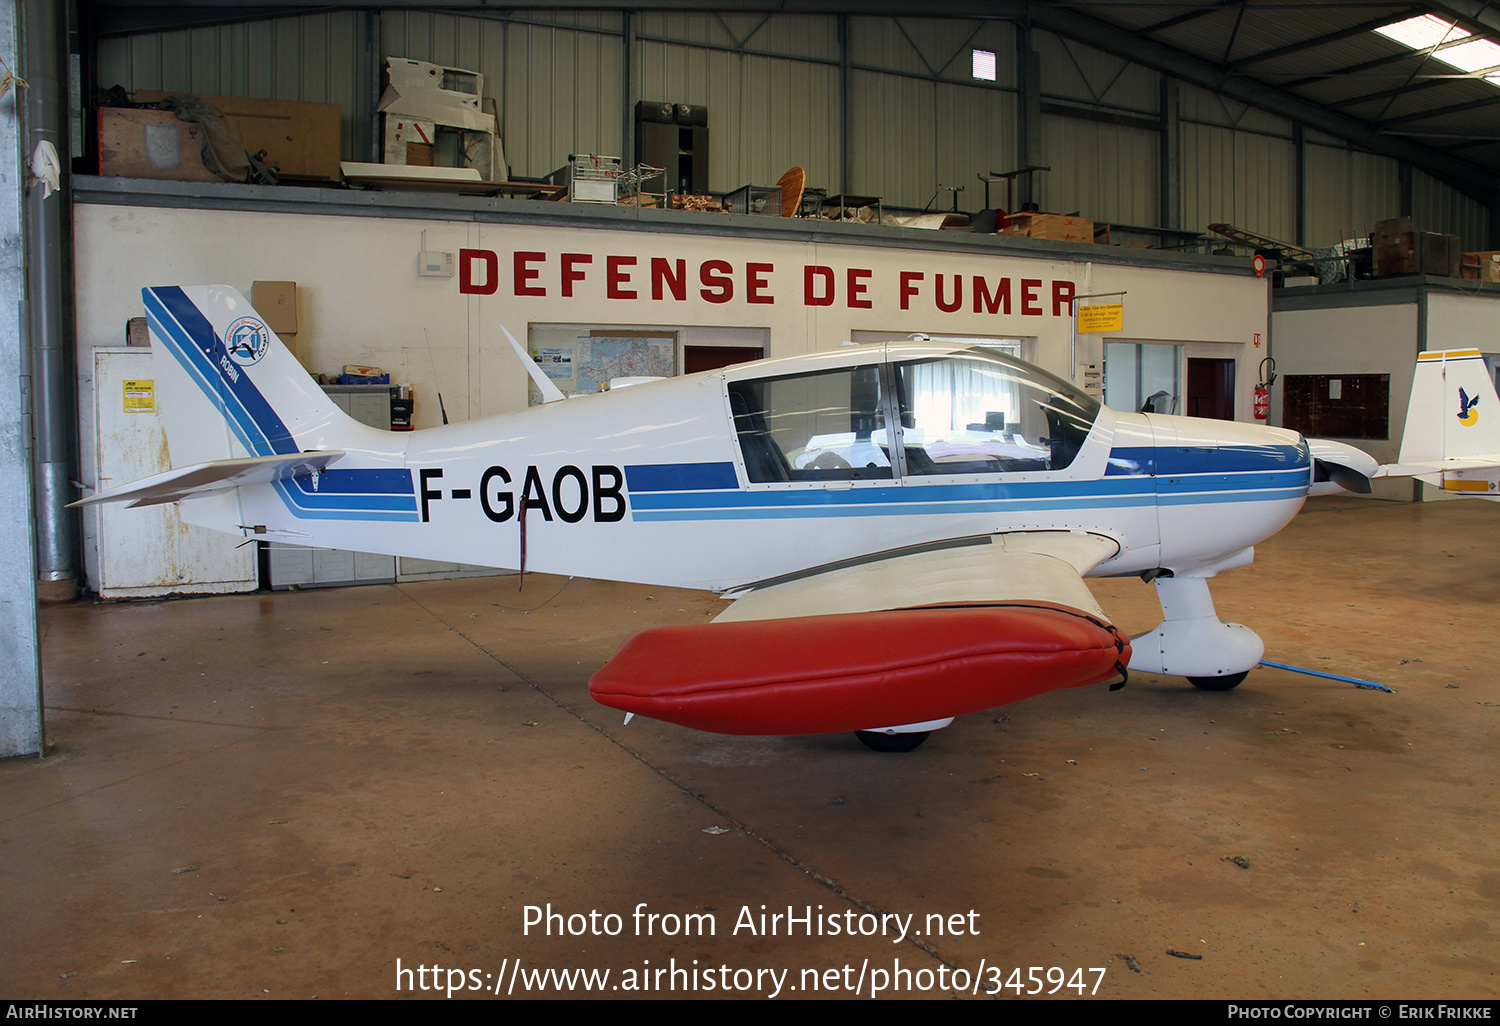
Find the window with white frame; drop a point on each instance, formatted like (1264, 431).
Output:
(1142, 377)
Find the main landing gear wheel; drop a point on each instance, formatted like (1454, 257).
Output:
(879, 741)
(1225, 683)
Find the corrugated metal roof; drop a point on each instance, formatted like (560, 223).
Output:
(1256, 66)
(1328, 53)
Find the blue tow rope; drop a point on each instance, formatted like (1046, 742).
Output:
(1330, 676)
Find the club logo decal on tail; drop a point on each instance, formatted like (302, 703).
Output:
(1467, 415)
(247, 341)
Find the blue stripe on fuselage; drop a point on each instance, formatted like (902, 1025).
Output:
(1183, 475)
(1202, 459)
(680, 477)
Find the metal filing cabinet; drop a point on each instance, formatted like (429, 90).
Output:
(147, 551)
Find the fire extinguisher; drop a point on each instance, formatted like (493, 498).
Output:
(1263, 389)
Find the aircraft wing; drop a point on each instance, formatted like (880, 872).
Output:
(203, 479)
(1042, 566)
(901, 637)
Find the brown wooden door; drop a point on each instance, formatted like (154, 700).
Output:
(707, 358)
(1210, 390)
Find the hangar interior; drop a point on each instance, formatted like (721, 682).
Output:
(246, 768)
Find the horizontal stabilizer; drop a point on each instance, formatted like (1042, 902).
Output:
(216, 476)
(1419, 469)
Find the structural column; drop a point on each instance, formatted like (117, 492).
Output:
(20, 669)
(1029, 123)
(1170, 161)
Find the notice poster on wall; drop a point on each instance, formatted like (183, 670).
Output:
(556, 362)
(140, 396)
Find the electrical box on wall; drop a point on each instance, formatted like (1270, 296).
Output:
(434, 264)
(1090, 376)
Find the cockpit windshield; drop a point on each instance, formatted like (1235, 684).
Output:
(988, 413)
(971, 412)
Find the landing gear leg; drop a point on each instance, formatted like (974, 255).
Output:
(1192, 642)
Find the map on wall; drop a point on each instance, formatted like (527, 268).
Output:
(600, 359)
(596, 359)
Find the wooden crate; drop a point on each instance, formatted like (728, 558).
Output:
(1482, 266)
(151, 144)
(1416, 253)
(301, 138)
(1064, 227)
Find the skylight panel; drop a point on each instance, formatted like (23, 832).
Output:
(1475, 55)
(1423, 32)
(984, 65)
(1427, 31)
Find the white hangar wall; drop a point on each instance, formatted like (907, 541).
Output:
(361, 300)
(564, 82)
(1378, 336)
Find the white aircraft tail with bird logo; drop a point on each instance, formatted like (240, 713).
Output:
(1452, 435)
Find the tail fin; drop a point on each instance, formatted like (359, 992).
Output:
(1452, 435)
(249, 431)
(1453, 412)
(228, 367)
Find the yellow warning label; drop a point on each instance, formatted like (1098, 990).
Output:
(140, 396)
(1101, 317)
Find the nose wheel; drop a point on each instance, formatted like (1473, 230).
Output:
(1227, 682)
(879, 741)
(906, 737)
(1192, 642)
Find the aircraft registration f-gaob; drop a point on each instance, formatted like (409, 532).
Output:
(904, 528)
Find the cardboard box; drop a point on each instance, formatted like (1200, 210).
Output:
(1482, 266)
(1441, 255)
(1415, 253)
(276, 302)
(1394, 254)
(1390, 229)
(1064, 227)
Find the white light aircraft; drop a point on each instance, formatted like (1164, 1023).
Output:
(904, 528)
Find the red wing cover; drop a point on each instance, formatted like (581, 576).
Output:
(854, 671)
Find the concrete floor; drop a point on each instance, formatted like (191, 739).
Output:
(283, 795)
